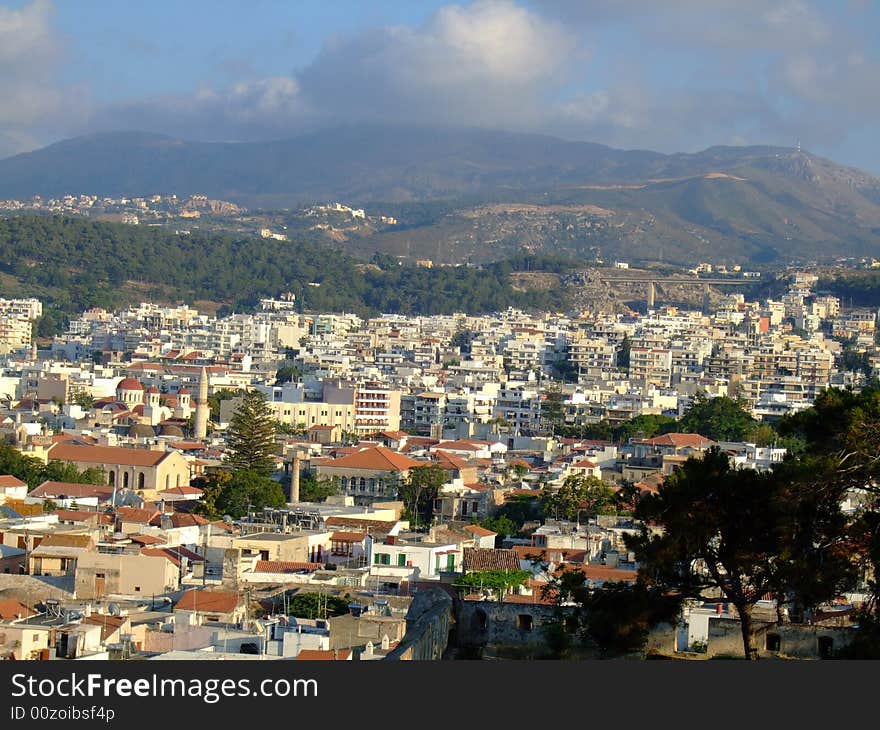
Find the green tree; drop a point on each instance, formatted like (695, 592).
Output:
(58, 471)
(579, 494)
(287, 374)
(720, 419)
(234, 493)
(251, 435)
(499, 582)
(721, 529)
(623, 350)
(312, 489)
(419, 490)
(552, 408)
(316, 605)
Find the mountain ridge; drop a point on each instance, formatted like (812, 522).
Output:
(757, 203)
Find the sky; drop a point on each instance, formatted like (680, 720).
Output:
(665, 75)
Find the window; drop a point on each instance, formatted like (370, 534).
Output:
(382, 559)
(524, 622)
(450, 561)
(401, 560)
(773, 642)
(137, 589)
(826, 647)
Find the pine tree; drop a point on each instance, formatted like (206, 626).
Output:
(251, 440)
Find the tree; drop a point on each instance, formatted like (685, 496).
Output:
(234, 493)
(552, 408)
(251, 435)
(500, 582)
(312, 489)
(316, 605)
(579, 494)
(623, 353)
(287, 374)
(419, 490)
(721, 529)
(720, 419)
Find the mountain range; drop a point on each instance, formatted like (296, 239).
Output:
(489, 194)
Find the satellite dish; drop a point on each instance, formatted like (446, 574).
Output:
(113, 609)
(227, 519)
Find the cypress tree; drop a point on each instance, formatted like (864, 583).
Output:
(251, 439)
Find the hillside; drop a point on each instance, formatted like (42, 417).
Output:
(478, 196)
(74, 264)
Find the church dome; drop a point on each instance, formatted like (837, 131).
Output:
(129, 384)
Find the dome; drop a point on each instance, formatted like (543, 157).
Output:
(153, 390)
(171, 430)
(183, 391)
(129, 384)
(141, 430)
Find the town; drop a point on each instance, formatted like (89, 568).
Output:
(425, 485)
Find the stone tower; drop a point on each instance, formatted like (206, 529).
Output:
(201, 425)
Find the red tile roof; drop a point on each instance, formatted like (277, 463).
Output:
(479, 531)
(136, 515)
(106, 455)
(377, 458)
(323, 655)
(693, 440)
(10, 609)
(348, 536)
(69, 489)
(7, 480)
(489, 559)
(285, 566)
(175, 554)
(208, 601)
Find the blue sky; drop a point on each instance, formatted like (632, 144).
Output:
(669, 75)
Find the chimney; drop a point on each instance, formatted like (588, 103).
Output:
(391, 540)
(294, 479)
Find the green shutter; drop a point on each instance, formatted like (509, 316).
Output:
(401, 559)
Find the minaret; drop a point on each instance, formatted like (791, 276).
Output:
(201, 426)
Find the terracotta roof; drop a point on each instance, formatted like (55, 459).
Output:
(489, 559)
(449, 461)
(693, 440)
(479, 531)
(11, 609)
(585, 464)
(323, 655)
(174, 554)
(106, 455)
(180, 519)
(208, 601)
(147, 539)
(377, 458)
(71, 489)
(66, 540)
(7, 480)
(345, 536)
(136, 515)
(285, 566)
(566, 555)
(109, 624)
(72, 515)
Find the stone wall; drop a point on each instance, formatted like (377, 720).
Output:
(797, 641)
(428, 623)
(488, 623)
